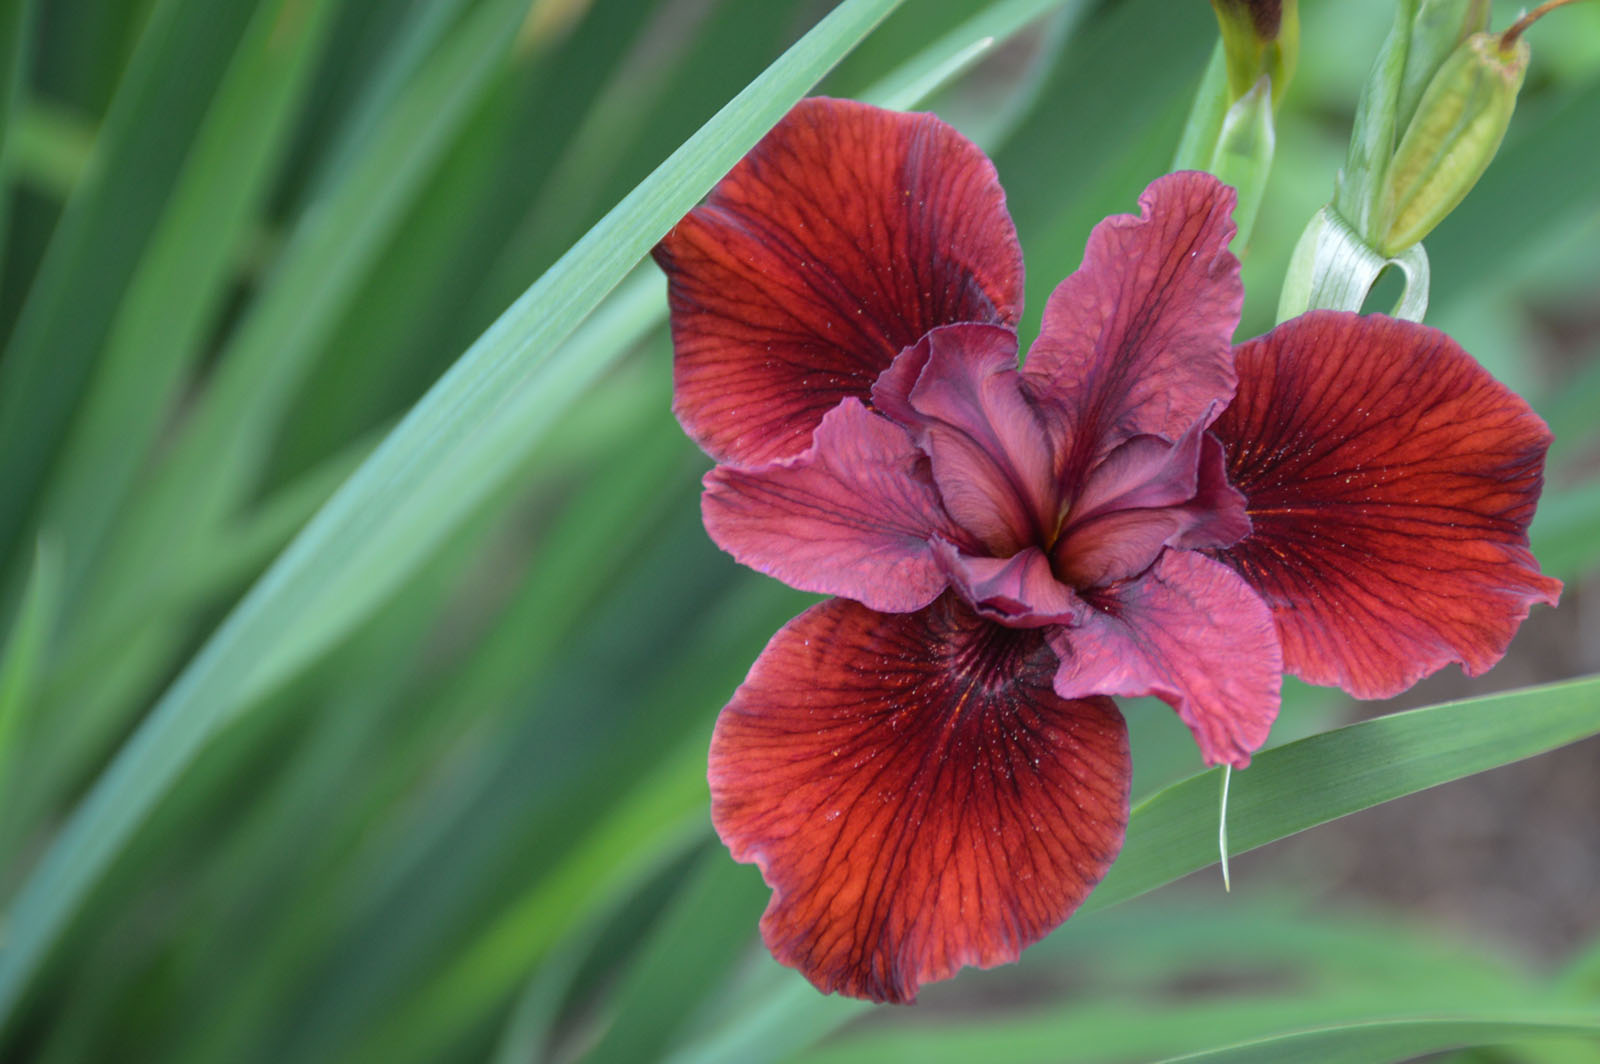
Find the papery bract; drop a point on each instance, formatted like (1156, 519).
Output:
(927, 768)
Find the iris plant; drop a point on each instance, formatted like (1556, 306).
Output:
(928, 768)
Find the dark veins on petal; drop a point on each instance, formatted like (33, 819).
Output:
(915, 793)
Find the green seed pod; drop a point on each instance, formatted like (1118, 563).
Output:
(1459, 124)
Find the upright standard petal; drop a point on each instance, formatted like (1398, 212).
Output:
(915, 794)
(854, 515)
(1194, 635)
(1138, 340)
(1390, 482)
(844, 236)
(988, 441)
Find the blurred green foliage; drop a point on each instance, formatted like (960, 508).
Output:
(312, 280)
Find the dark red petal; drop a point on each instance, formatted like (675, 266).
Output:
(990, 445)
(1194, 635)
(1019, 591)
(846, 234)
(851, 516)
(1138, 339)
(1390, 482)
(915, 794)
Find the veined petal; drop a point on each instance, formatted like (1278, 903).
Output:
(1145, 495)
(1019, 591)
(852, 516)
(990, 444)
(1193, 634)
(1116, 546)
(1137, 341)
(1390, 482)
(915, 794)
(843, 237)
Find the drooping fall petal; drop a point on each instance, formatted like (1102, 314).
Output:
(844, 236)
(1390, 482)
(1138, 340)
(915, 793)
(852, 516)
(1193, 634)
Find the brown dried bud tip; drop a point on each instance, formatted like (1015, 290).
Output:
(1266, 16)
(1258, 37)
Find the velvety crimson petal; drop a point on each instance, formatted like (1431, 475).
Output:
(844, 236)
(851, 516)
(1193, 634)
(1137, 341)
(915, 793)
(1390, 482)
(990, 444)
(1020, 591)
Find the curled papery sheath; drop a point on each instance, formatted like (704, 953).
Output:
(844, 236)
(915, 793)
(1390, 483)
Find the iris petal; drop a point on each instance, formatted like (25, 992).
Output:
(843, 237)
(1137, 341)
(852, 516)
(1390, 482)
(1193, 634)
(989, 442)
(915, 793)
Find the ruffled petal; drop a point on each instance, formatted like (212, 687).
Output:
(1145, 495)
(1390, 482)
(914, 792)
(1019, 591)
(1137, 341)
(846, 234)
(989, 442)
(852, 516)
(1194, 635)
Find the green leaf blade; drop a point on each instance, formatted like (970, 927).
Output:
(422, 481)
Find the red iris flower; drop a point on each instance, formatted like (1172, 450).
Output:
(928, 768)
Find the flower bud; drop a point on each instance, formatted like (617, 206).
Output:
(1459, 124)
(1258, 37)
(1437, 30)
